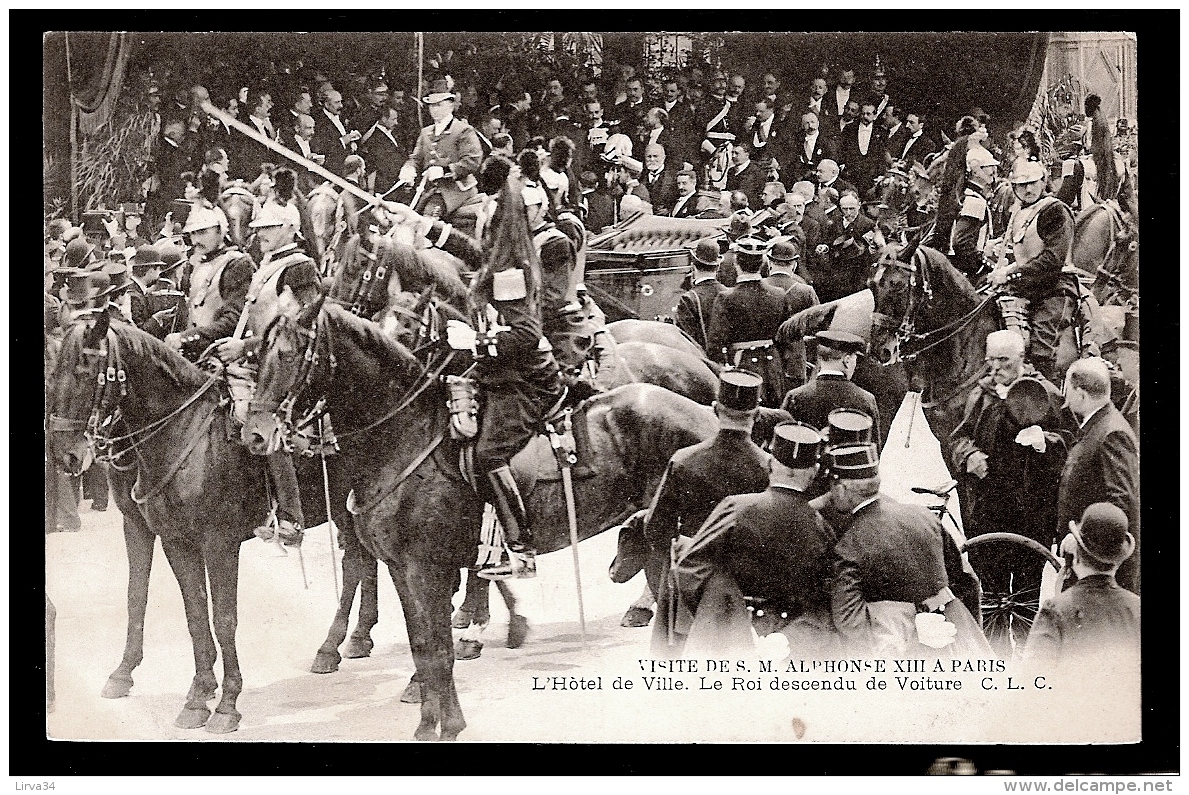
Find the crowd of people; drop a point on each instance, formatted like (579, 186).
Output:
(801, 525)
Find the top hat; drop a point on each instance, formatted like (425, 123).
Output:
(706, 253)
(795, 444)
(117, 276)
(739, 390)
(1103, 533)
(849, 427)
(842, 341)
(853, 462)
(1028, 402)
(83, 286)
(439, 91)
(784, 251)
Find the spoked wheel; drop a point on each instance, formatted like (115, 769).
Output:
(1009, 610)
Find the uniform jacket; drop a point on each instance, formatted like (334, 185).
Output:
(695, 308)
(1103, 466)
(1039, 275)
(749, 311)
(233, 283)
(813, 402)
(456, 150)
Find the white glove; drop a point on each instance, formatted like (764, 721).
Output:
(774, 646)
(407, 174)
(460, 336)
(434, 173)
(934, 631)
(1034, 436)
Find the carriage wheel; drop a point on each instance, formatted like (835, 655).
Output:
(1008, 612)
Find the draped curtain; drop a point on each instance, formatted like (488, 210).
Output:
(96, 63)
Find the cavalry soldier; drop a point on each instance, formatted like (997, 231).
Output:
(284, 269)
(694, 307)
(447, 155)
(769, 546)
(831, 387)
(219, 279)
(1033, 297)
(974, 228)
(1009, 465)
(892, 565)
(746, 318)
(700, 476)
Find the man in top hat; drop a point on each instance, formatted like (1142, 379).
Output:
(769, 546)
(831, 387)
(894, 562)
(973, 228)
(694, 307)
(1039, 235)
(219, 279)
(700, 476)
(745, 319)
(1103, 464)
(1008, 456)
(1094, 620)
(447, 154)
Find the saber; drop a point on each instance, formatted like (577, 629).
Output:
(289, 154)
(571, 515)
(417, 194)
(330, 526)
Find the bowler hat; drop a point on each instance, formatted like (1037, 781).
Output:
(170, 255)
(854, 462)
(1028, 402)
(795, 444)
(784, 251)
(840, 340)
(117, 275)
(1103, 533)
(78, 252)
(739, 389)
(146, 256)
(439, 91)
(849, 427)
(706, 253)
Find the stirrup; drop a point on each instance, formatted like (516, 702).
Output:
(520, 565)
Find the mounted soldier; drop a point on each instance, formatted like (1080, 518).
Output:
(447, 157)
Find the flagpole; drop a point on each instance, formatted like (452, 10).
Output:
(420, 77)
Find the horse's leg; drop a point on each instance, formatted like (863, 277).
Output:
(186, 561)
(222, 562)
(138, 540)
(517, 624)
(432, 587)
(328, 658)
(476, 609)
(361, 644)
(414, 691)
(463, 616)
(640, 612)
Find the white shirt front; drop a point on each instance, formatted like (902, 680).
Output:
(810, 144)
(912, 140)
(865, 138)
(304, 145)
(816, 105)
(841, 97)
(336, 121)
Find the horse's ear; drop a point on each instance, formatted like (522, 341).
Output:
(425, 297)
(96, 325)
(309, 314)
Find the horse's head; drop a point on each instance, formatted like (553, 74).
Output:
(238, 206)
(410, 318)
(895, 194)
(79, 393)
(892, 286)
(289, 378)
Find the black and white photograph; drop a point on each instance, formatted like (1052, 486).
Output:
(580, 387)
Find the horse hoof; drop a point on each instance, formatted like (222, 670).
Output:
(426, 734)
(636, 617)
(357, 649)
(326, 663)
(449, 738)
(192, 718)
(461, 619)
(412, 694)
(116, 688)
(517, 631)
(467, 650)
(223, 723)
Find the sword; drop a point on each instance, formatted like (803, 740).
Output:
(571, 515)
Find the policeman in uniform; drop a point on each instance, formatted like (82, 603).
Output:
(769, 546)
(745, 320)
(831, 387)
(695, 305)
(1033, 297)
(974, 228)
(893, 562)
(700, 476)
(447, 155)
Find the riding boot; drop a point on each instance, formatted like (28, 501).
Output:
(289, 514)
(509, 507)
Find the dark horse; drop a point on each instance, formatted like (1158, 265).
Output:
(199, 491)
(414, 510)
